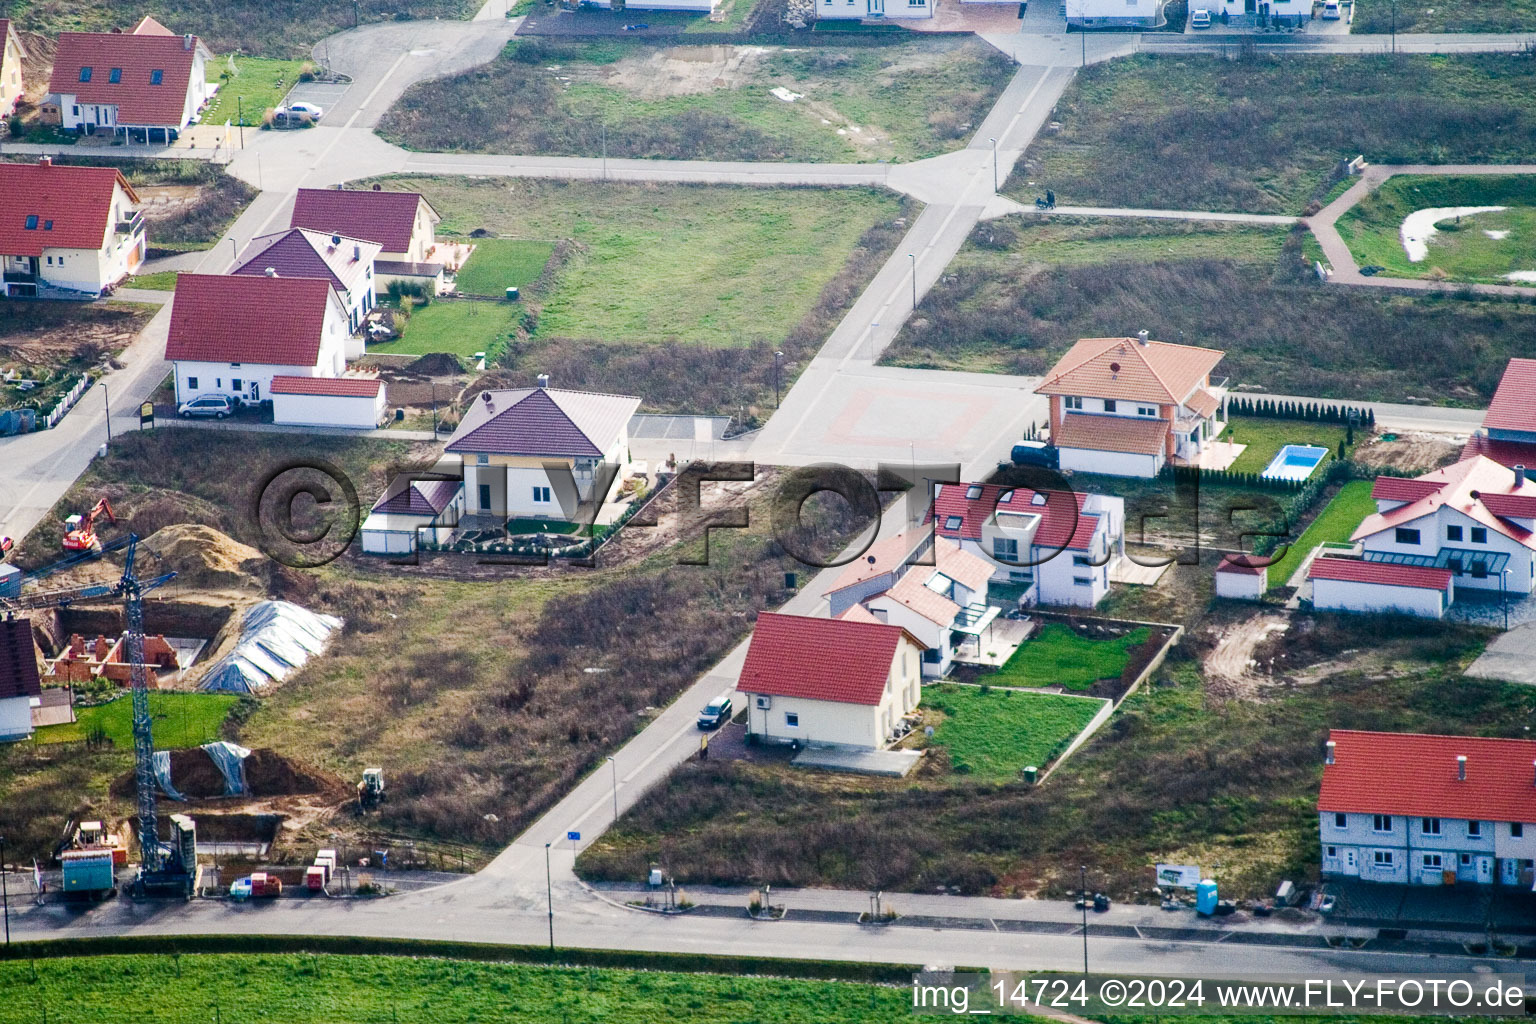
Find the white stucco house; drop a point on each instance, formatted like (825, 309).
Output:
(1416, 809)
(829, 682)
(12, 53)
(541, 452)
(347, 263)
(1127, 406)
(146, 85)
(403, 224)
(1059, 545)
(66, 232)
(20, 684)
(1257, 12)
(858, 10)
(232, 335)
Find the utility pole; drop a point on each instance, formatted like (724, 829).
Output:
(777, 357)
(549, 893)
(5, 893)
(106, 402)
(913, 257)
(994, 164)
(605, 150)
(615, 766)
(1082, 35)
(240, 116)
(1082, 870)
(1394, 26)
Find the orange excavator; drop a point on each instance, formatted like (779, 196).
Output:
(80, 531)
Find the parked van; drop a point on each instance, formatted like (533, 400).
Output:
(716, 713)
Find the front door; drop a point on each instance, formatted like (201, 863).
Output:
(1349, 863)
(485, 497)
(875, 7)
(255, 391)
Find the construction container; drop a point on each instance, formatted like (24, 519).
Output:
(326, 857)
(315, 878)
(264, 884)
(87, 872)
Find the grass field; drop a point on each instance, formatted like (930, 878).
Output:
(501, 263)
(1193, 133)
(1058, 656)
(991, 735)
(252, 87)
(180, 720)
(162, 281)
(1461, 249)
(1376, 16)
(899, 102)
(56, 343)
(1265, 436)
(462, 327)
(1333, 524)
(1022, 291)
(271, 28)
(325, 988)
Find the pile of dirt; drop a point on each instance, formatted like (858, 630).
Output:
(436, 364)
(205, 558)
(267, 774)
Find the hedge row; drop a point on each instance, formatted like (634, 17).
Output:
(1245, 405)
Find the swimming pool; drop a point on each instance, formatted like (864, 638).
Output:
(1294, 462)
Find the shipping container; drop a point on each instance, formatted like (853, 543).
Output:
(87, 872)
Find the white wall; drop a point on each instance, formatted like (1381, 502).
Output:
(15, 718)
(1241, 586)
(1348, 596)
(926, 630)
(856, 9)
(1086, 460)
(329, 410)
(1432, 538)
(833, 723)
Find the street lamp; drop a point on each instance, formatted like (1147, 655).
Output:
(1082, 870)
(234, 250)
(106, 402)
(1394, 26)
(777, 358)
(1504, 596)
(615, 766)
(994, 164)
(5, 893)
(549, 894)
(913, 257)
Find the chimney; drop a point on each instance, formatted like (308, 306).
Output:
(357, 252)
(486, 397)
(335, 239)
(187, 40)
(1461, 767)
(543, 380)
(1141, 337)
(1519, 476)
(45, 161)
(271, 271)
(1330, 748)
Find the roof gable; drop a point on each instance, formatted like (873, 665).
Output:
(1468, 487)
(388, 218)
(302, 253)
(277, 321)
(18, 659)
(1126, 368)
(1416, 774)
(1063, 523)
(1514, 401)
(543, 422)
(68, 207)
(136, 56)
(841, 660)
(417, 497)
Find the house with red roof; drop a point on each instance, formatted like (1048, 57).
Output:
(542, 452)
(145, 85)
(66, 232)
(409, 506)
(12, 54)
(1058, 545)
(403, 224)
(1508, 433)
(1128, 406)
(345, 262)
(242, 337)
(829, 682)
(1468, 526)
(20, 683)
(1415, 809)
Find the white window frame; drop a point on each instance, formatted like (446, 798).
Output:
(1474, 830)
(541, 496)
(1383, 858)
(791, 719)
(1429, 826)
(1381, 823)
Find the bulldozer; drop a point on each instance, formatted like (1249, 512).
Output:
(80, 531)
(370, 791)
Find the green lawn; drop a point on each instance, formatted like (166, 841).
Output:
(252, 86)
(1265, 437)
(460, 326)
(906, 101)
(163, 281)
(993, 734)
(325, 988)
(1376, 16)
(1058, 656)
(1333, 524)
(1202, 132)
(501, 263)
(180, 720)
(1461, 249)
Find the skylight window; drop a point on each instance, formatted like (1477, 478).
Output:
(973, 492)
(1038, 499)
(31, 222)
(1005, 498)
(156, 77)
(47, 225)
(115, 75)
(85, 74)
(941, 584)
(952, 522)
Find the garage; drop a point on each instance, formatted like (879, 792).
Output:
(328, 401)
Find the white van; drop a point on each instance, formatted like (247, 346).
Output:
(1331, 10)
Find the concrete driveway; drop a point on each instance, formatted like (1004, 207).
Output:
(1510, 656)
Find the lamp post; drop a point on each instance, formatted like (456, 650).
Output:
(106, 402)
(994, 164)
(1504, 596)
(549, 894)
(777, 358)
(1082, 870)
(5, 893)
(615, 766)
(913, 257)
(240, 106)
(1394, 26)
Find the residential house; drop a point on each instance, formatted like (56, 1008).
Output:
(406, 508)
(1428, 810)
(1469, 525)
(232, 335)
(1251, 13)
(540, 453)
(1058, 545)
(829, 10)
(146, 85)
(298, 252)
(928, 586)
(1111, 14)
(12, 53)
(20, 687)
(829, 682)
(353, 401)
(1508, 433)
(66, 232)
(1242, 577)
(402, 223)
(1128, 406)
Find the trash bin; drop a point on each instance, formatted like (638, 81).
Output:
(512, 295)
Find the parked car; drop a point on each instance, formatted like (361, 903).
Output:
(1035, 453)
(217, 406)
(306, 108)
(716, 713)
(1331, 10)
(1201, 18)
(240, 888)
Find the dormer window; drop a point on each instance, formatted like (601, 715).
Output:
(156, 77)
(85, 74)
(115, 75)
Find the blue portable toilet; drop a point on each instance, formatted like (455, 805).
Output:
(1205, 897)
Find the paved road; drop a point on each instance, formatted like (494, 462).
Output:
(1400, 417)
(1407, 42)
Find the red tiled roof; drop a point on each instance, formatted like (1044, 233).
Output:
(136, 56)
(1514, 401)
(885, 555)
(1063, 523)
(820, 659)
(275, 321)
(1203, 403)
(1416, 775)
(148, 26)
(340, 387)
(961, 566)
(417, 497)
(76, 201)
(1510, 506)
(1400, 488)
(384, 217)
(542, 421)
(1243, 565)
(1124, 368)
(1134, 434)
(18, 659)
(1505, 453)
(1386, 574)
(1466, 487)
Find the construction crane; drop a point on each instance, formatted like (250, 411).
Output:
(162, 869)
(80, 531)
